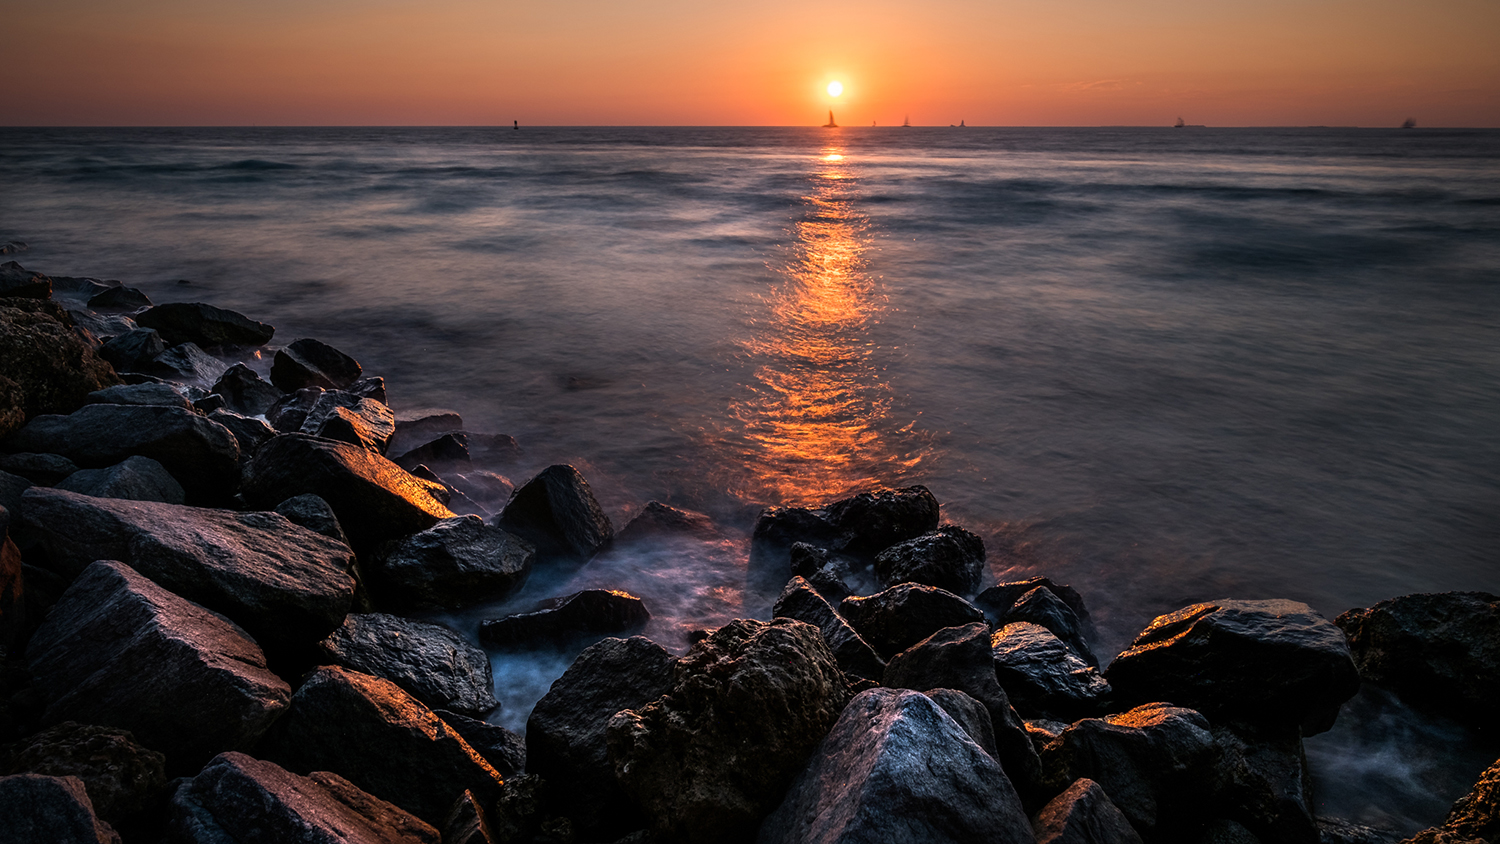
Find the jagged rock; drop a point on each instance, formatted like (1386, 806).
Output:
(150, 394)
(800, 601)
(1083, 815)
(1043, 731)
(381, 739)
(248, 432)
(1269, 662)
(79, 288)
(467, 822)
(487, 490)
(592, 612)
(998, 600)
(430, 662)
(244, 391)
(1474, 818)
(1041, 606)
(13, 247)
(204, 325)
(827, 573)
(313, 363)
(565, 735)
(20, 283)
(368, 388)
(95, 328)
(896, 768)
(209, 403)
(313, 513)
(503, 749)
(1043, 676)
(862, 525)
(120, 298)
(48, 368)
(238, 798)
(12, 590)
(123, 779)
(341, 416)
(657, 520)
(288, 413)
(520, 815)
(949, 558)
(556, 512)
(1264, 784)
(203, 456)
(413, 430)
(1342, 831)
(747, 706)
(1438, 650)
(903, 615)
(37, 809)
(374, 498)
(134, 478)
(287, 585)
(970, 714)
(134, 350)
(446, 452)
(119, 650)
(187, 364)
(44, 469)
(457, 561)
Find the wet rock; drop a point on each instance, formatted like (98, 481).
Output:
(1342, 831)
(459, 560)
(203, 456)
(1437, 650)
(248, 432)
(1043, 676)
(556, 512)
(204, 325)
(1041, 606)
(657, 520)
(855, 656)
(896, 768)
(592, 612)
(79, 288)
(366, 424)
(288, 413)
(998, 600)
(48, 368)
(467, 823)
(20, 283)
(970, 714)
(502, 749)
(287, 585)
(381, 739)
(236, 794)
(134, 478)
(1264, 784)
(95, 328)
(862, 525)
(446, 452)
(1083, 815)
(54, 810)
(13, 247)
(122, 778)
(116, 647)
(428, 661)
(160, 395)
(368, 388)
(187, 364)
(949, 558)
(1267, 662)
(747, 706)
(313, 513)
(11, 489)
(245, 392)
(44, 469)
(209, 403)
(120, 298)
(134, 350)
(413, 430)
(487, 490)
(903, 615)
(827, 573)
(565, 735)
(313, 363)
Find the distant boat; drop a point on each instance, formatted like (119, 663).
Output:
(830, 124)
(906, 124)
(1409, 124)
(961, 124)
(1179, 124)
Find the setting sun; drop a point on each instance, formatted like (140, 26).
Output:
(835, 88)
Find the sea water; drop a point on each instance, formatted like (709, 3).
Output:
(1162, 365)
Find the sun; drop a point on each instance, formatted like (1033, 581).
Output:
(835, 88)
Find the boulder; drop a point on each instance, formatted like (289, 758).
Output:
(12, 590)
(457, 561)
(313, 363)
(556, 512)
(1083, 814)
(287, 585)
(17, 282)
(1044, 677)
(12, 247)
(862, 526)
(486, 490)
(1271, 662)
(238, 798)
(245, 392)
(450, 451)
(825, 571)
(592, 612)
(288, 413)
(430, 662)
(134, 350)
(368, 388)
(48, 368)
(1440, 651)
(1041, 606)
(1226, 831)
(341, 416)
(657, 520)
(134, 478)
(12, 487)
(121, 651)
(162, 395)
(381, 739)
(1343, 831)
(949, 558)
(565, 735)
(80, 288)
(1475, 817)
(502, 749)
(185, 363)
(44, 469)
(895, 767)
(467, 823)
(414, 429)
(493, 449)
(36, 809)
(970, 714)
(120, 298)
(1264, 784)
(204, 325)
(249, 433)
(96, 327)
(521, 814)
(123, 779)
(748, 704)
(313, 513)
(997, 601)
(903, 615)
(855, 656)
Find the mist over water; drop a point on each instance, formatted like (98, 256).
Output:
(1162, 365)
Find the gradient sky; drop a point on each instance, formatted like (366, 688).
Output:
(673, 62)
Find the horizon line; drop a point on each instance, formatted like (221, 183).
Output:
(699, 126)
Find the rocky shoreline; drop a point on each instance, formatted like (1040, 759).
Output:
(211, 546)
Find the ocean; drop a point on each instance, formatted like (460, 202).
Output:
(1162, 365)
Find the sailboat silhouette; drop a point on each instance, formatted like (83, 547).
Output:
(906, 124)
(830, 124)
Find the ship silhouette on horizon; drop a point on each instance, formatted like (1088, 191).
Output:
(830, 124)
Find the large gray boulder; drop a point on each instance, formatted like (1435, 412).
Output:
(345, 417)
(800, 601)
(313, 363)
(37, 809)
(556, 512)
(430, 662)
(134, 478)
(949, 558)
(861, 526)
(244, 391)
(206, 325)
(1083, 814)
(458, 561)
(1044, 677)
(895, 767)
(163, 395)
(905, 614)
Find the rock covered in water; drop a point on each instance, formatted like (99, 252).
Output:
(949, 558)
(556, 512)
(824, 571)
(134, 350)
(800, 601)
(122, 778)
(204, 325)
(457, 561)
(1043, 676)
(428, 661)
(1083, 814)
(313, 363)
(592, 612)
(862, 525)
(903, 615)
(447, 452)
(17, 282)
(55, 810)
(48, 368)
(163, 395)
(244, 391)
(134, 478)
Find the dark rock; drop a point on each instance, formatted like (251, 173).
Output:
(248, 432)
(1043, 677)
(415, 429)
(747, 706)
(120, 651)
(446, 452)
(79, 288)
(134, 350)
(1438, 650)
(44, 469)
(287, 585)
(237, 798)
(903, 615)
(1474, 818)
(36, 809)
(657, 520)
(896, 768)
(592, 612)
(1264, 784)
(203, 456)
(245, 392)
(1043, 731)
(997, 601)
(503, 749)
(313, 363)
(861, 526)
(160, 395)
(1225, 831)
(48, 368)
(12, 592)
(467, 823)
(855, 656)
(95, 328)
(374, 499)
(556, 512)
(565, 735)
(460, 560)
(367, 424)
(123, 779)
(970, 714)
(486, 489)
(120, 298)
(493, 449)
(1041, 606)
(385, 742)
(134, 478)
(209, 403)
(827, 573)
(949, 558)
(288, 413)
(187, 364)
(21, 283)
(1083, 815)
(13, 247)
(1341, 831)
(520, 816)
(1269, 662)
(313, 513)
(368, 388)
(430, 662)
(205, 325)
(12, 487)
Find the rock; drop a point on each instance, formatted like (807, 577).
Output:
(903, 615)
(657, 520)
(1438, 650)
(430, 662)
(20, 283)
(160, 395)
(313, 363)
(485, 489)
(413, 430)
(747, 706)
(997, 601)
(959, 658)
(202, 455)
(1041, 606)
(855, 656)
(381, 739)
(366, 426)
(48, 369)
(502, 749)
(134, 350)
(1043, 731)
(123, 779)
(288, 413)
(1083, 815)
(120, 651)
(446, 452)
(1474, 818)
(896, 768)
(467, 823)
(949, 558)
(245, 392)
(374, 499)
(1264, 784)
(249, 433)
(313, 513)
(1225, 831)
(520, 815)
(459, 560)
(134, 478)
(862, 526)
(237, 798)
(1043, 677)
(209, 403)
(592, 612)
(79, 288)
(13, 247)
(287, 585)
(120, 298)
(44, 469)
(826, 573)
(204, 325)
(368, 388)
(12, 591)
(36, 809)
(556, 512)
(12, 487)
(1268, 662)
(493, 449)
(95, 328)
(185, 363)
(1341, 831)
(565, 735)
(970, 714)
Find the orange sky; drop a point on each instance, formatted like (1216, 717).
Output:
(674, 62)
